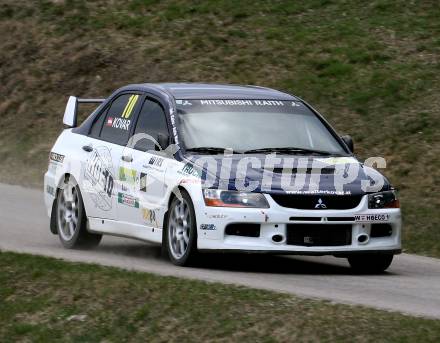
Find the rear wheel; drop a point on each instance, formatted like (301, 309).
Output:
(71, 219)
(181, 231)
(370, 263)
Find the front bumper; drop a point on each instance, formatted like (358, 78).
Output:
(277, 220)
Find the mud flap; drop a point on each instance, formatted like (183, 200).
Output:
(53, 218)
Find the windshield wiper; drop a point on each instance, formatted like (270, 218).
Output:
(208, 150)
(291, 150)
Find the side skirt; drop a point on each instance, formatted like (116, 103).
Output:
(124, 229)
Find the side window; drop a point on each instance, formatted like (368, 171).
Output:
(97, 125)
(151, 121)
(119, 118)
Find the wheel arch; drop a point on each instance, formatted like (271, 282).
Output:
(191, 251)
(173, 195)
(170, 199)
(63, 178)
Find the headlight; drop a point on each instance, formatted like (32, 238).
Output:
(219, 198)
(386, 199)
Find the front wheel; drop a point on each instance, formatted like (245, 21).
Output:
(370, 263)
(181, 231)
(71, 219)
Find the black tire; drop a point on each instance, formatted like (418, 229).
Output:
(190, 254)
(370, 263)
(81, 238)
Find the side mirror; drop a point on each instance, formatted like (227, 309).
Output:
(348, 142)
(69, 118)
(163, 141)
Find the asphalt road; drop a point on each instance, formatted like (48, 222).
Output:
(411, 285)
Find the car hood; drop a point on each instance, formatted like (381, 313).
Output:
(288, 174)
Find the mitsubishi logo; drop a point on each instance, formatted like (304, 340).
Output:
(320, 204)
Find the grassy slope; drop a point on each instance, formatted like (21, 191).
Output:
(371, 68)
(129, 306)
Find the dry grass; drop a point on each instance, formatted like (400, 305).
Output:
(61, 301)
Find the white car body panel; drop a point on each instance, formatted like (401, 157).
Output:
(131, 197)
(136, 221)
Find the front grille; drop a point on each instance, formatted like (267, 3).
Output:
(318, 234)
(317, 202)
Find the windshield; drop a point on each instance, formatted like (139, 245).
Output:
(252, 125)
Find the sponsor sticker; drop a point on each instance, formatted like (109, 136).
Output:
(209, 227)
(319, 192)
(156, 161)
(56, 157)
(127, 175)
(372, 217)
(217, 216)
(109, 121)
(50, 190)
(173, 122)
(128, 200)
(149, 216)
(143, 182)
(308, 240)
(236, 102)
(337, 160)
(190, 181)
(183, 102)
(189, 169)
(118, 123)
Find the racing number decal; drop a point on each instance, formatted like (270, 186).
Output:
(129, 107)
(100, 175)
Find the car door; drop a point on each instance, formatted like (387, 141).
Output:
(108, 136)
(143, 168)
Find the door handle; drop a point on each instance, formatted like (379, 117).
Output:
(127, 158)
(87, 148)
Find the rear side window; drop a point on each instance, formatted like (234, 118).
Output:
(152, 121)
(119, 118)
(97, 125)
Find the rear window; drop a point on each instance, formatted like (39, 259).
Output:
(119, 118)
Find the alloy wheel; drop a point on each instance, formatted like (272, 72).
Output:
(67, 212)
(179, 229)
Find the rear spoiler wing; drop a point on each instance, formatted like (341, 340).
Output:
(71, 112)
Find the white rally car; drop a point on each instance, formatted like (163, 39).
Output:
(206, 167)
